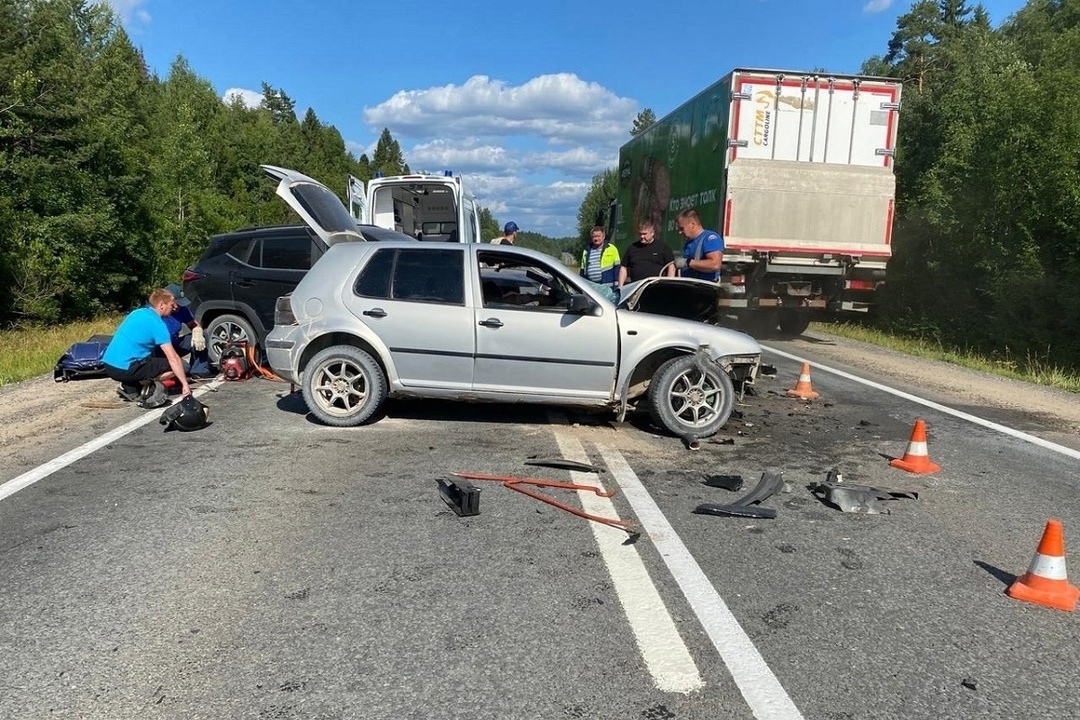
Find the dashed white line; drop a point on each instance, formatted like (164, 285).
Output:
(662, 648)
(759, 686)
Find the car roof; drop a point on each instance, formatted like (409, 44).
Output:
(381, 234)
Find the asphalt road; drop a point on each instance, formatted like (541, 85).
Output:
(270, 567)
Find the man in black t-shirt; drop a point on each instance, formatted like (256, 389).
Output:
(646, 258)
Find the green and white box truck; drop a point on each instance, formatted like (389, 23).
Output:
(795, 170)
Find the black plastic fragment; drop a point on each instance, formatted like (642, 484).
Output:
(749, 511)
(461, 495)
(727, 482)
(771, 482)
(564, 464)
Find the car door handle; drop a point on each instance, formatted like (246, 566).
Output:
(492, 322)
(243, 283)
(374, 312)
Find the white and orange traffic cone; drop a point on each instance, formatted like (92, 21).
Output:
(1046, 582)
(803, 389)
(916, 458)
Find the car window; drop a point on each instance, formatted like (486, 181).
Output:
(508, 281)
(430, 276)
(286, 253)
(241, 250)
(324, 206)
(374, 280)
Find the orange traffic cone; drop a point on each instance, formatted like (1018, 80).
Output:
(1046, 582)
(916, 459)
(803, 389)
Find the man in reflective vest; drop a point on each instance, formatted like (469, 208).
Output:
(600, 260)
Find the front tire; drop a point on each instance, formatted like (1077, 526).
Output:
(688, 397)
(224, 330)
(343, 386)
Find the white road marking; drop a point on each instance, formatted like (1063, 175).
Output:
(935, 406)
(59, 463)
(762, 691)
(665, 654)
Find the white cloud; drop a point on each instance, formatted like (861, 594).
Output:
(527, 151)
(876, 6)
(250, 98)
(560, 108)
(130, 12)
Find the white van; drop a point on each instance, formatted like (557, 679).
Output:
(424, 206)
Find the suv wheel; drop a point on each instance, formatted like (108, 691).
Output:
(227, 329)
(343, 386)
(691, 398)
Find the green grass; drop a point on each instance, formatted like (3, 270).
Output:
(1030, 369)
(33, 351)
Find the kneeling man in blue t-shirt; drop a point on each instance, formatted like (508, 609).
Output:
(130, 357)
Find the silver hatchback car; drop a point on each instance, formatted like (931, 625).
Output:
(499, 323)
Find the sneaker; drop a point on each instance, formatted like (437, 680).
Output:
(128, 393)
(154, 395)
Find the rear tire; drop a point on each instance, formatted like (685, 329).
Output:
(343, 386)
(691, 398)
(225, 329)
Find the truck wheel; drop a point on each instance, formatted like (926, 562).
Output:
(688, 398)
(793, 322)
(761, 323)
(343, 386)
(225, 329)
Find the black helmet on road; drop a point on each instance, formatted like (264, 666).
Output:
(188, 414)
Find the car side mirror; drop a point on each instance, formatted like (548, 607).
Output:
(580, 304)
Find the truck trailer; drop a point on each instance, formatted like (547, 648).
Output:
(795, 170)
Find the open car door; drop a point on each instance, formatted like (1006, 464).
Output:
(358, 206)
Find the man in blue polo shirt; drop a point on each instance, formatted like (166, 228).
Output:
(703, 252)
(130, 357)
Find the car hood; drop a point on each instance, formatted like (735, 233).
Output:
(685, 298)
(316, 205)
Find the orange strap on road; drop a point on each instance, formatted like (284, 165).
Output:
(257, 368)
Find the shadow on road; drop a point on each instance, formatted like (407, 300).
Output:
(1005, 577)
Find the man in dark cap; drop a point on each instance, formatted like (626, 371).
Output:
(510, 231)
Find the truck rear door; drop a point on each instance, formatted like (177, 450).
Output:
(810, 165)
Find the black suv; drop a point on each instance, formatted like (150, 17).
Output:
(235, 284)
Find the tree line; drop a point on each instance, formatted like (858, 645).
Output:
(112, 179)
(986, 249)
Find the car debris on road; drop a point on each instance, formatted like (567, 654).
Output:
(856, 498)
(771, 483)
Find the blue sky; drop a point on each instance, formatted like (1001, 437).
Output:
(526, 100)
